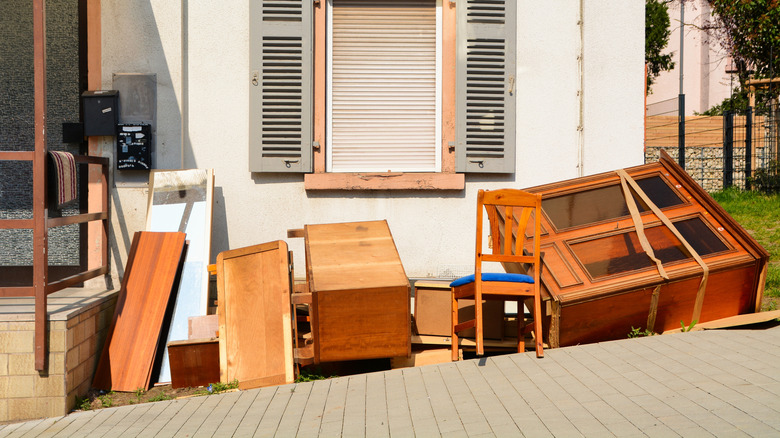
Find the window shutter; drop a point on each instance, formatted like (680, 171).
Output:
(280, 97)
(486, 34)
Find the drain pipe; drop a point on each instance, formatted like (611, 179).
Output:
(580, 93)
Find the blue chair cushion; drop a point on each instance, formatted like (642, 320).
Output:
(494, 276)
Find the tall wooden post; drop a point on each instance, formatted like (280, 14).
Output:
(40, 213)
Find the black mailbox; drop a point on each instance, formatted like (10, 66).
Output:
(134, 146)
(101, 112)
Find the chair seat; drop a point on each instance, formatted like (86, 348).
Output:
(494, 276)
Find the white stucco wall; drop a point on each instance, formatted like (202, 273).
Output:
(432, 230)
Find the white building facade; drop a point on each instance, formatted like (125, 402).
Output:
(573, 78)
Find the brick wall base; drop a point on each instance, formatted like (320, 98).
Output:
(76, 337)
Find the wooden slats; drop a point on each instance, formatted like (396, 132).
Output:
(75, 279)
(23, 291)
(131, 346)
(16, 155)
(77, 219)
(16, 224)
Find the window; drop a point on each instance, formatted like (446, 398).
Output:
(605, 203)
(384, 82)
(417, 88)
(622, 253)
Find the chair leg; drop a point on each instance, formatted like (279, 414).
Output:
(520, 327)
(538, 327)
(454, 336)
(478, 326)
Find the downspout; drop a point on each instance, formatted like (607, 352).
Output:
(580, 92)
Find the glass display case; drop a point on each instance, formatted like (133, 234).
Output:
(599, 283)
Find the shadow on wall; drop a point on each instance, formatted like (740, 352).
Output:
(135, 35)
(218, 224)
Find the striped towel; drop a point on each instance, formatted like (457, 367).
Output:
(64, 176)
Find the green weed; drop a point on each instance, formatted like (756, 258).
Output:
(106, 400)
(83, 403)
(638, 332)
(160, 397)
(310, 376)
(689, 328)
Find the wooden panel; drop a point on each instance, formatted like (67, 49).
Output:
(361, 304)
(728, 293)
(349, 254)
(131, 345)
(194, 362)
(557, 267)
(362, 324)
(255, 328)
(432, 314)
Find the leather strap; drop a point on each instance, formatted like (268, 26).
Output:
(626, 179)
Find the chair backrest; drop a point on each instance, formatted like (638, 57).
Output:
(515, 226)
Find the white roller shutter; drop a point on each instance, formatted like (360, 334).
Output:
(384, 110)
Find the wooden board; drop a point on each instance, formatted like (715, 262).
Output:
(424, 357)
(181, 200)
(131, 345)
(205, 326)
(255, 327)
(360, 292)
(733, 321)
(194, 362)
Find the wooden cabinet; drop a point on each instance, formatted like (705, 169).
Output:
(597, 280)
(360, 293)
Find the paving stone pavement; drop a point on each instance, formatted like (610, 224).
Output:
(719, 383)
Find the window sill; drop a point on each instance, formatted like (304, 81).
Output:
(384, 181)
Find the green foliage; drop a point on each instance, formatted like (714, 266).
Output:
(689, 328)
(750, 32)
(216, 388)
(138, 393)
(767, 180)
(106, 400)
(759, 214)
(656, 38)
(311, 375)
(638, 332)
(737, 102)
(160, 397)
(84, 403)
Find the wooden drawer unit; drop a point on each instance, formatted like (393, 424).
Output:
(360, 293)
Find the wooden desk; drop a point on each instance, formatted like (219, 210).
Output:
(360, 292)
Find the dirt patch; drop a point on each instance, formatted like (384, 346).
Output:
(98, 399)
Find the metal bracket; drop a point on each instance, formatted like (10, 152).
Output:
(315, 145)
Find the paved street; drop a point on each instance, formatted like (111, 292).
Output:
(722, 383)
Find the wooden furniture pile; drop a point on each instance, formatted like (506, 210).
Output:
(356, 299)
(643, 247)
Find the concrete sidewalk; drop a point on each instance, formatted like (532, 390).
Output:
(723, 383)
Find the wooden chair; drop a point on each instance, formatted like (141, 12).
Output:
(515, 242)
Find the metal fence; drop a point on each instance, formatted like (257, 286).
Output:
(720, 151)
